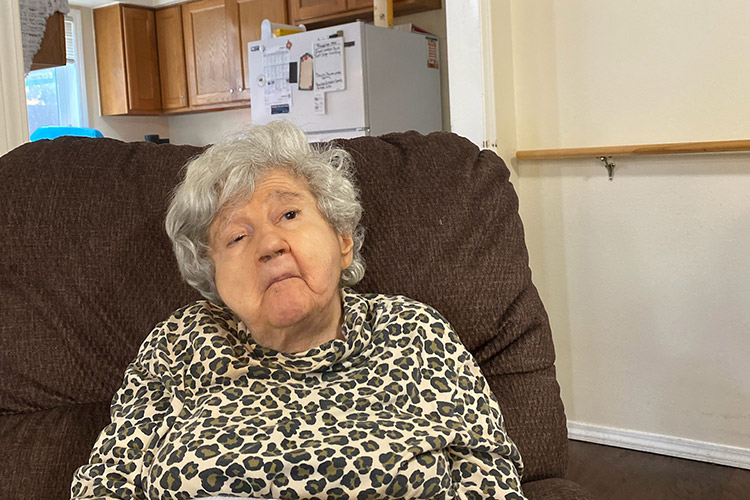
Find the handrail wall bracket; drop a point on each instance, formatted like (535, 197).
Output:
(609, 165)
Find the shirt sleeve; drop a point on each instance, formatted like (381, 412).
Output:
(484, 461)
(142, 411)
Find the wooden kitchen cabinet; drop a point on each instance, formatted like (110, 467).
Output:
(171, 50)
(319, 13)
(182, 58)
(359, 4)
(216, 35)
(310, 9)
(249, 15)
(127, 60)
(210, 53)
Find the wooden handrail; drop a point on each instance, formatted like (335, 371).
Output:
(636, 150)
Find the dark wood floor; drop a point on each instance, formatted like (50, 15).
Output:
(618, 474)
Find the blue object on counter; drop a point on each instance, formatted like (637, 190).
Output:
(51, 132)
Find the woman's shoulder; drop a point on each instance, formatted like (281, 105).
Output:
(404, 317)
(400, 308)
(398, 301)
(196, 318)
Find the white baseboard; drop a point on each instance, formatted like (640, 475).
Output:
(662, 445)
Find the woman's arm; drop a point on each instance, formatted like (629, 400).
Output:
(139, 417)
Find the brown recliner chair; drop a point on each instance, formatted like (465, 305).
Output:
(87, 271)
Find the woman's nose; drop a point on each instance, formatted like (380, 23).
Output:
(272, 244)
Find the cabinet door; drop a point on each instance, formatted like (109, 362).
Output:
(304, 9)
(209, 53)
(110, 60)
(171, 58)
(359, 4)
(319, 13)
(249, 15)
(141, 61)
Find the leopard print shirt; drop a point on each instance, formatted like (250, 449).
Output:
(399, 409)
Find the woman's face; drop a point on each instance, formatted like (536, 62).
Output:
(278, 261)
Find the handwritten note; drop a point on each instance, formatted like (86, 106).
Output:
(328, 55)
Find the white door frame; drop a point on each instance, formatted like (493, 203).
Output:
(470, 76)
(14, 123)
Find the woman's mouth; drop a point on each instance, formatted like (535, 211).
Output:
(280, 278)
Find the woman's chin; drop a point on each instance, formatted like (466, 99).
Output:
(285, 310)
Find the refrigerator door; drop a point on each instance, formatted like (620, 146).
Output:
(271, 62)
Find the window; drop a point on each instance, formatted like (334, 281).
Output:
(56, 96)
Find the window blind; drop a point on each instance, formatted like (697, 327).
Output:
(70, 43)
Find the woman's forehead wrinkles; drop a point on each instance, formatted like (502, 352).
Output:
(283, 195)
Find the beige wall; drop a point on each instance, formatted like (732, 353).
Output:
(126, 128)
(503, 77)
(207, 128)
(647, 278)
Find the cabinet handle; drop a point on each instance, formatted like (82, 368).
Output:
(231, 91)
(240, 89)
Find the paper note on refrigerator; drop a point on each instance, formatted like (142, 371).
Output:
(306, 71)
(319, 103)
(328, 57)
(278, 92)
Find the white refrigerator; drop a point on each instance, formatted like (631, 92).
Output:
(347, 81)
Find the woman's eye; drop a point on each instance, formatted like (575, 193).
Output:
(292, 214)
(237, 239)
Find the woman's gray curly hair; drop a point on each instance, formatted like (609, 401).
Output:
(225, 175)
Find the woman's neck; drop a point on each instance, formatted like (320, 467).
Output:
(311, 332)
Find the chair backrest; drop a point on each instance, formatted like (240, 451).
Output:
(87, 269)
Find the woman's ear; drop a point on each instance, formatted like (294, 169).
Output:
(346, 243)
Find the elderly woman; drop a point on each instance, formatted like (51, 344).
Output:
(285, 383)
